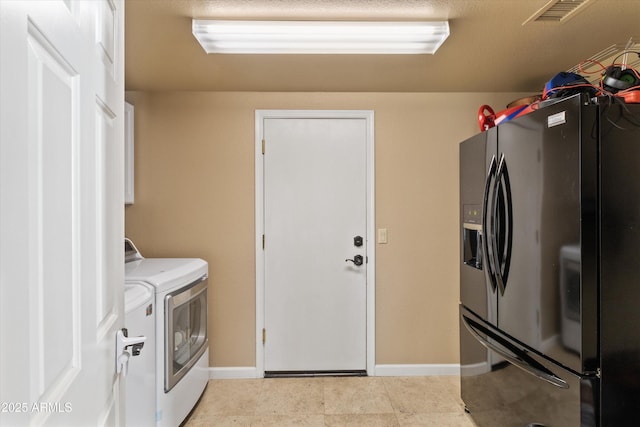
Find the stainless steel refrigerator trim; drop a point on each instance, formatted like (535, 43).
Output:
(504, 232)
(498, 220)
(510, 351)
(488, 231)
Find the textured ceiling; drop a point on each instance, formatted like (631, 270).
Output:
(489, 50)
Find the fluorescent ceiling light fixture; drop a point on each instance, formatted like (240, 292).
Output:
(320, 37)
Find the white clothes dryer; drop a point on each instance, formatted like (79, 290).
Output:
(140, 382)
(182, 345)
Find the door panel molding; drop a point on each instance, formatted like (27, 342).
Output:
(260, 117)
(54, 286)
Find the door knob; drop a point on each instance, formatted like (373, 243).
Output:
(357, 260)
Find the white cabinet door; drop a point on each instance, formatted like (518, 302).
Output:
(61, 211)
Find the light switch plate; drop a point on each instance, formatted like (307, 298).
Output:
(382, 235)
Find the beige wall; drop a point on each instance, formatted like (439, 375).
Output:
(194, 197)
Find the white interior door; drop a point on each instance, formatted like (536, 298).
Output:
(315, 204)
(61, 211)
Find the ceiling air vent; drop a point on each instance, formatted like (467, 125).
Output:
(558, 11)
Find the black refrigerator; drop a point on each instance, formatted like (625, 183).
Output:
(550, 267)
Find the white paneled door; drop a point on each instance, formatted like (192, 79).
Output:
(61, 211)
(315, 251)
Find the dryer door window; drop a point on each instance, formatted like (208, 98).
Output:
(186, 329)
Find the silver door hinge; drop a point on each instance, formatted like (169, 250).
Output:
(264, 336)
(263, 146)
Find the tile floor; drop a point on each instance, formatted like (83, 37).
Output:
(332, 401)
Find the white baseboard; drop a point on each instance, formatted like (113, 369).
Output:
(233, 373)
(380, 371)
(417, 370)
(475, 369)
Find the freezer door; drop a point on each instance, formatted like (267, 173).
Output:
(545, 205)
(523, 389)
(477, 291)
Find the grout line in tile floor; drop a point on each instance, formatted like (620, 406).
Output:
(332, 401)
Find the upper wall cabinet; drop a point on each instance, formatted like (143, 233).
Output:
(128, 154)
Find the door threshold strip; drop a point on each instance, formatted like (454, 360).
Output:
(302, 374)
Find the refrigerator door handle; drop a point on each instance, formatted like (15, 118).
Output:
(516, 356)
(486, 229)
(502, 235)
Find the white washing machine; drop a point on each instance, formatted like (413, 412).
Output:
(140, 382)
(182, 345)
